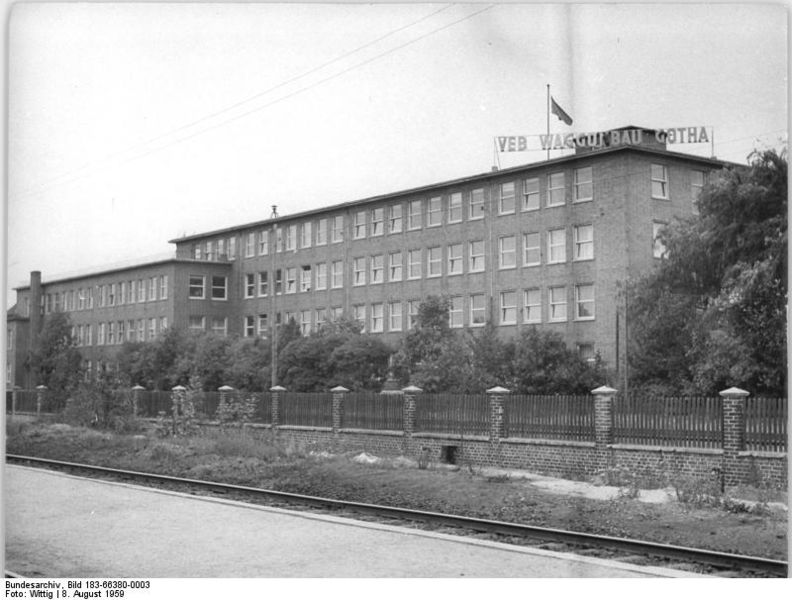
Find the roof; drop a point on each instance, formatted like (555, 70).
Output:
(481, 177)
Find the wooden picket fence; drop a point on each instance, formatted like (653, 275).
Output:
(549, 417)
(462, 414)
(370, 410)
(766, 424)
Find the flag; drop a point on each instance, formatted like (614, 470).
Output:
(559, 112)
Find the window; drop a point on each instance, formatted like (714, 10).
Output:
(80, 299)
(359, 271)
(305, 278)
(412, 313)
(476, 210)
(455, 311)
(89, 335)
(250, 285)
(111, 330)
(321, 276)
(531, 194)
(218, 287)
(394, 316)
(455, 207)
(111, 295)
(359, 314)
(476, 256)
(263, 243)
(697, 180)
(291, 280)
(220, 325)
(338, 228)
(395, 266)
(321, 232)
(583, 239)
(210, 254)
(395, 220)
(163, 287)
(531, 251)
(263, 325)
(584, 188)
(558, 304)
(506, 198)
(508, 308)
(478, 310)
(130, 333)
(263, 281)
(141, 330)
(337, 274)
(100, 336)
(141, 296)
(122, 293)
(152, 289)
(434, 258)
(131, 297)
(377, 318)
(414, 215)
(197, 251)
(556, 246)
(231, 248)
(414, 264)
(658, 247)
(587, 353)
(221, 253)
(532, 306)
(250, 240)
(336, 313)
(278, 281)
(196, 287)
(378, 268)
(250, 326)
(377, 221)
(359, 229)
(659, 182)
(305, 322)
(278, 239)
(305, 235)
(152, 328)
(455, 259)
(556, 190)
(584, 302)
(291, 237)
(321, 317)
(507, 252)
(434, 216)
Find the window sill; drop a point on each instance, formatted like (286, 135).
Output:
(583, 200)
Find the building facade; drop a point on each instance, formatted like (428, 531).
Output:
(546, 245)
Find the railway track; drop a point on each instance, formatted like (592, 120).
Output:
(635, 551)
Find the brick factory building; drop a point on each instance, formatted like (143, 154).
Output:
(547, 244)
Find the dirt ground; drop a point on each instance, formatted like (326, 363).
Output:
(756, 527)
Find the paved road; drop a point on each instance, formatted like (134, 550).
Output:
(59, 525)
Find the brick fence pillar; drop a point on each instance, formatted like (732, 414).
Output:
(222, 403)
(408, 408)
(339, 393)
(497, 397)
(733, 432)
(603, 424)
(14, 399)
(41, 393)
(277, 396)
(136, 399)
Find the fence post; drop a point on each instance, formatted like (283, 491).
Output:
(136, 399)
(277, 393)
(733, 432)
(603, 424)
(497, 396)
(41, 390)
(222, 403)
(339, 393)
(408, 415)
(177, 399)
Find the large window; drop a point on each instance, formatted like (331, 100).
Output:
(395, 220)
(141, 295)
(455, 311)
(532, 306)
(434, 262)
(455, 207)
(338, 228)
(558, 303)
(414, 215)
(556, 189)
(220, 326)
(219, 285)
(163, 287)
(305, 278)
(321, 276)
(306, 234)
(455, 259)
(584, 188)
(291, 280)
(508, 308)
(263, 279)
(337, 274)
(263, 242)
(507, 252)
(414, 264)
(556, 246)
(250, 326)
(377, 318)
(152, 328)
(531, 194)
(278, 281)
(321, 232)
(359, 271)
(250, 240)
(476, 204)
(196, 287)
(359, 226)
(377, 221)
(434, 216)
(476, 263)
(412, 313)
(531, 250)
(394, 316)
(583, 238)
(659, 182)
(305, 322)
(359, 314)
(478, 309)
(263, 325)
(378, 268)
(506, 198)
(395, 266)
(231, 248)
(152, 288)
(697, 181)
(291, 237)
(250, 285)
(584, 302)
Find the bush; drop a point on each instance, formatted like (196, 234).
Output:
(96, 405)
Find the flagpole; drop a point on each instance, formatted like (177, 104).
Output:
(548, 121)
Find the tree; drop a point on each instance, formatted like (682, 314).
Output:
(490, 360)
(55, 360)
(718, 300)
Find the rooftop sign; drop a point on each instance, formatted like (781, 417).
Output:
(601, 139)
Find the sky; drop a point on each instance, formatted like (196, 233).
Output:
(133, 124)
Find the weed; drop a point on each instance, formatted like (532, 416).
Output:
(424, 458)
(624, 478)
(499, 478)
